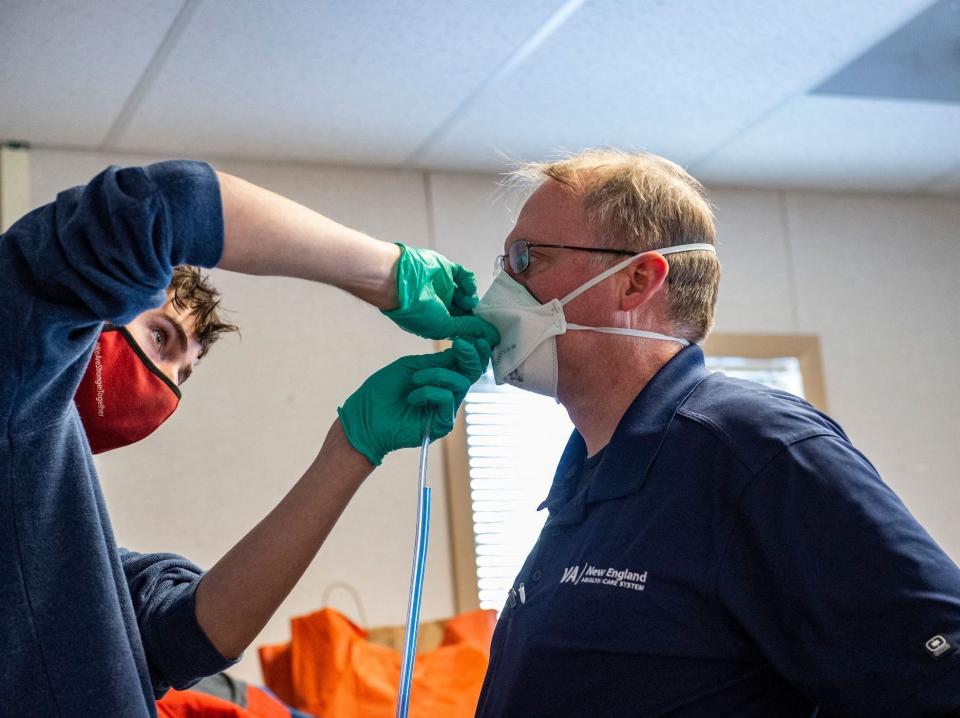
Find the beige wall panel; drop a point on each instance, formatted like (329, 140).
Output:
(877, 281)
(472, 217)
(755, 283)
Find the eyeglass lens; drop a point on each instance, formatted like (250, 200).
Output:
(519, 256)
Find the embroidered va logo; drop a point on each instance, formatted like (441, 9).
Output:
(588, 574)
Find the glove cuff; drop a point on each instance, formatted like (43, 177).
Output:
(354, 439)
(404, 290)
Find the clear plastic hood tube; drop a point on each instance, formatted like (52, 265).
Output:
(416, 582)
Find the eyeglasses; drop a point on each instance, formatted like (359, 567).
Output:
(519, 254)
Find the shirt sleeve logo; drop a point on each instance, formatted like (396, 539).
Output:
(937, 646)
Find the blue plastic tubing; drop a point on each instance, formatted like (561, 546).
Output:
(416, 583)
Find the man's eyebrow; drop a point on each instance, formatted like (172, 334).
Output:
(183, 374)
(181, 334)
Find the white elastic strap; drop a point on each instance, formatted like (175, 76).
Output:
(617, 267)
(630, 333)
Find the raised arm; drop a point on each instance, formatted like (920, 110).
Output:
(267, 234)
(238, 595)
(420, 290)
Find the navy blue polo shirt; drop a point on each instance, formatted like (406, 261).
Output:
(733, 554)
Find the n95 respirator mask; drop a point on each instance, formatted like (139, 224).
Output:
(526, 356)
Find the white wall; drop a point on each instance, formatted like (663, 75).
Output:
(873, 276)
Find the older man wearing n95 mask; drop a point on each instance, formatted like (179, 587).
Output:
(713, 547)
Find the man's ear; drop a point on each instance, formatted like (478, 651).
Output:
(644, 278)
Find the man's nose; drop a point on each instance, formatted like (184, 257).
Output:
(171, 371)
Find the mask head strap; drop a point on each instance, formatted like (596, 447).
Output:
(631, 333)
(620, 265)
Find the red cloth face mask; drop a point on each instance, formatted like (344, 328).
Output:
(123, 397)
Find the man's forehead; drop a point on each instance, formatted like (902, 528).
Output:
(552, 213)
(184, 316)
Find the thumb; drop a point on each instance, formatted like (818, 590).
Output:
(472, 327)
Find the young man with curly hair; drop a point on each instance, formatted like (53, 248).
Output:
(101, 321)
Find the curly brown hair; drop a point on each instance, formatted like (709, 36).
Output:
(190, 291)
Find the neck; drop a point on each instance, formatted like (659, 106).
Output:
(601, 392)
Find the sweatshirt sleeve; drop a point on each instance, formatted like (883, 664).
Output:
(109, 248)
(103, 252)
(163, 588)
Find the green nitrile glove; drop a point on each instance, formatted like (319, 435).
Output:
(388, 411)
(435, 297)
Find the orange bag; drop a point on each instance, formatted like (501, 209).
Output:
(196, 704)
(193, 704)
(263, 705)
(329, 668)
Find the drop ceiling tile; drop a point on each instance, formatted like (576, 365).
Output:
(853, 143)
(677, 78)
(918, 61)
(66, 69)
(332, 81)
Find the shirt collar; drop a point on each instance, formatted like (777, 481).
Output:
(636, 441)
